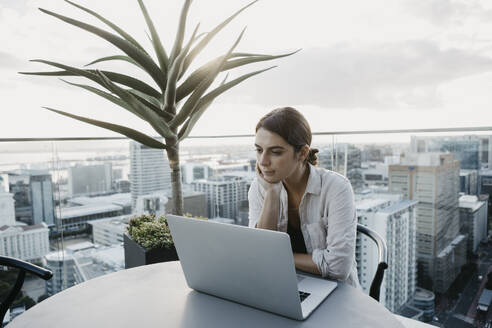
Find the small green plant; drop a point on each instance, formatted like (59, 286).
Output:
(150, 232)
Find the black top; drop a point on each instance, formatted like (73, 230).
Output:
(296, 239)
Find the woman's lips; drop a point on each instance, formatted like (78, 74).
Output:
(268, 173)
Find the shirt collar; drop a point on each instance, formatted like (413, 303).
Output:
(314, 181)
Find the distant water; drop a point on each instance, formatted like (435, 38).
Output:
(41, 159)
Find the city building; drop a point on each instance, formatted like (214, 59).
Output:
(225, 194)
(374, 173)
(194, 202)
(473, 221)
(122, 199)
(424, 300)
(466, 149)
(432, 179)
(485, 186)
(149, 171)
(91, 261)
(152, 203)
(486, 150)
(62, 264)
(394, 220)
(33, 194)
(28, 243)
(81, 262)
(192, 171)
(449, 262)
(109, 231)
(74, 219)
(469, 182)
(7, 208)
(84, 180)
(344, 159)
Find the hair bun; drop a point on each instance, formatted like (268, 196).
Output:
(312, 157)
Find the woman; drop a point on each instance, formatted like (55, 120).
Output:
(313, 205)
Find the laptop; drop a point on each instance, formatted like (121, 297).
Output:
(254, 267)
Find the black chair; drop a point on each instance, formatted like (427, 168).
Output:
(23, 267)
(382, 259)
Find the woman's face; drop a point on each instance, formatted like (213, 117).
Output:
(274, 156)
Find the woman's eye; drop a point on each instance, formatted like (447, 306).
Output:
(276, 153)
(258, 150)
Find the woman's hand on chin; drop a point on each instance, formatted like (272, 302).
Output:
(274, 187)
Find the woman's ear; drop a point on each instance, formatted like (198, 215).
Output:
(304, 153)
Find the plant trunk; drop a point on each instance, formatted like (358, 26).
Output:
(177, 193)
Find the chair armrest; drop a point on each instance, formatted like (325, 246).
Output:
(26, 266)
(377, 281)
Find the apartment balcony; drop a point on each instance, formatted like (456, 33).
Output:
(72, 193)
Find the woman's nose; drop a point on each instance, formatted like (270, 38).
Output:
(264, 161)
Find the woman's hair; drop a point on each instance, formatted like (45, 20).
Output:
(291, 125)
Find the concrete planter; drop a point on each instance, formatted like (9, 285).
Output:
(136, 255)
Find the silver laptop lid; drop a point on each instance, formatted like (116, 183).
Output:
(250, 266)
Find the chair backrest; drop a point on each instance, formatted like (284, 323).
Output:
(382, 259)
(23, 266)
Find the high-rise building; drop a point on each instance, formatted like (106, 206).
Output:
(62, 264)
(473, 221)
(486, 150)
(225, 193)
(432, 179)
(33, 194)
(149, 171)
(394, 220)
(86, 180)
(485, 186)
(469, 182)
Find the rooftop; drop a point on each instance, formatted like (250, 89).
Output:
(84, 210)
(123, 199)
(471, 202)
(399, 206)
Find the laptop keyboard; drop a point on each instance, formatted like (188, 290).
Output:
(303, 295)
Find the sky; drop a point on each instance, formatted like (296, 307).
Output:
(364, 65)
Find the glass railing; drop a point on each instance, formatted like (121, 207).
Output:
(426, 192)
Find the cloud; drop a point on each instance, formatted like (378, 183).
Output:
(8, 61)
(448, 12)
(381, 76)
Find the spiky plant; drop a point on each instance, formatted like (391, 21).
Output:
(177, 100)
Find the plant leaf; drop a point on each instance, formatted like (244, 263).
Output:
(108, 96)
(149, 115)
(190, 123)
(117, 57)
(201, 73)
(193, 100)
(130, 133)
(200, 46)
(156, 41)
(224, 87)
(154, 101)
(127, 47)
(178, 42)
(90, 74)
(118, 30)
(170, 94)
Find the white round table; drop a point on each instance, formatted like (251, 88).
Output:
(157, 296)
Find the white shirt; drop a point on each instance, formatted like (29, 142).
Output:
(328, 221)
